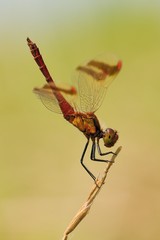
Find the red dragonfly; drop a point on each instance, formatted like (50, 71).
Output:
(78, 104)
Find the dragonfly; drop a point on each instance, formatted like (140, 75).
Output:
(79, 103)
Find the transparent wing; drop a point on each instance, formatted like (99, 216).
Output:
(48, 99)
(46, 95)
(92, 80)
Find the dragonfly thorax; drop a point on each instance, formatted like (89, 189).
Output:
(110, 137)
(86, 123)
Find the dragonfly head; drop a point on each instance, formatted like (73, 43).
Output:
(110, 137)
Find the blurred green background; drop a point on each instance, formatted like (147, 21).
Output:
(42, 183)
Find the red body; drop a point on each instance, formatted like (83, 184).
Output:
(86, 122)
(64, 105)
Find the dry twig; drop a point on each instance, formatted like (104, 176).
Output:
(88, 203)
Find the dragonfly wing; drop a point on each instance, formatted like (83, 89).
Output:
(93, 79)
(91, 82)
(91, 93)
(48, 99)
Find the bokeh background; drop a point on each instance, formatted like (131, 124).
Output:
(42, 183)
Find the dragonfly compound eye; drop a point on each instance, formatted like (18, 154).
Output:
(110, 137)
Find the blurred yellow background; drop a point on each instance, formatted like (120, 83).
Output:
(42, 183)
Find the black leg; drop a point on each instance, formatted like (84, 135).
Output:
(99, 150)
(93, 155)
(84, 151)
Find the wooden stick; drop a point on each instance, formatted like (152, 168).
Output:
(84, 210)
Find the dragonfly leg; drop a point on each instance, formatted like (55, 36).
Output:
(100, 152)
(93, 153)
(82, 158)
